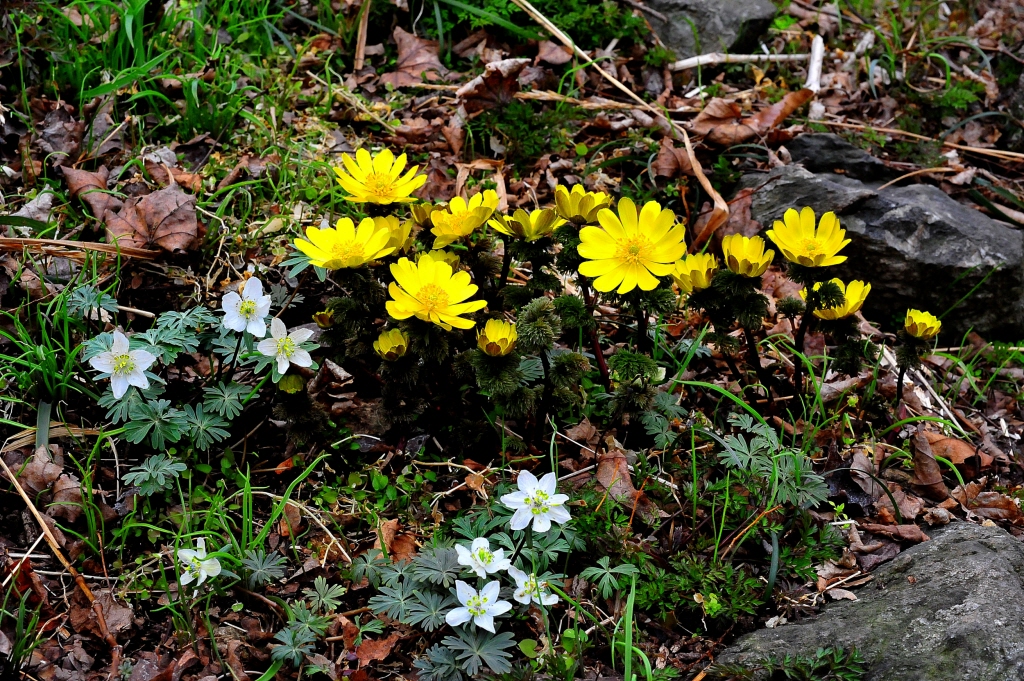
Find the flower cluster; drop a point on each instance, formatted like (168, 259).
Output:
(536, 502)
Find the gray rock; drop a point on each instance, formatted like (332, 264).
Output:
(916, 246)
(828, 153)
(949, 608)
(702, 26)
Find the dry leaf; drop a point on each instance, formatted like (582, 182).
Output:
(841, 595)
(911, 533)
(927, 475)
(496, 86)
(61, 137)
(83, 618)
(766, 119)
(969, 459)
(552, 53)
(67, 498)
(39, 472)
(417, 60)
(291, 522)
(91, 189)
(993, 506)
(379, 649)
(717, 112)
(670, 161)
(613, 475)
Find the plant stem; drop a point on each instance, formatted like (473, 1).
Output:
(506, 264)
(899, 385)
(798, 340)
(234, 357)
(755, 359)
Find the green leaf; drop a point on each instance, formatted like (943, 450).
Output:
(478, 648)
(155, 474)
(225, 398)
(158, 419)
(205, 429)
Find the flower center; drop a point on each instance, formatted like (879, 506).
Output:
(247, 309)
(538, 503)
(635, 250)
(477, 605)
(484, 556)
(194, 567)
(123, 364)
(433, 298)
(379, 184)
(348, 252)
(285, 347)
(811, 246)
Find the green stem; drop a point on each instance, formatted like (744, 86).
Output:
(798, 340)
(42, 424)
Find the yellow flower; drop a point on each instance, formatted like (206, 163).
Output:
(429, 290)
(530, 226)
(400, 232)
(746, 255)
(324, 319)
(801, 243)
(378, 179)
(421, 213)
(443, 256)
(580, 206)
(462, 217)
(694, 272)
(632, 248)
(854, 295)
(344, 245)
(923, 325)
(391, 344)
(497, 338)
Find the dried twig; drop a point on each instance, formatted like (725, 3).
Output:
(72, 249)
(714, 58)
(364, 21)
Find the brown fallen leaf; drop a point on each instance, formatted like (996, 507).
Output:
(911, 533)
(968, 459)
(61, 136)
(417, 60)
(67, 498)
(376, 649)
(671, 162)
(613, 475)
(165, 218)
(41, 470)
(717, 112)
(165, 175)
(291, 522)
(766, 119)
(83, 618)
(91, 188)
(126, 227)
(720, 120)
(553, 53)
(927, 475)
(991, 505)
(495, 87)
(841, 595)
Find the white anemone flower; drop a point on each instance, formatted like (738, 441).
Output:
(480, 607)
(536, 502)
(480, 559)
(126, 367)
(195, 566)
(529, 589)
(284, 346)
(246, 312)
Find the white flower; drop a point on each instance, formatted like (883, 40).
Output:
(480, 607)
(126, 367)
(529, 589)
(284, 346)
(480, 559)
(195, 566)
(536, 501)
(246, 312)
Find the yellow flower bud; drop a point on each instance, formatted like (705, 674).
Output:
(854, 294)
(391, 344)
(923, 325)
(579, 206)
(497, 338)
(746, 255)
(694, 272)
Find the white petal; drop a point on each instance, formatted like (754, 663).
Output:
(143, 359)
(277, 328)
(263, 306)
(520, 519)
(465, 558)
(464, 591)
(560, 514)
(138, 379)
(499, 608)
(186, 555)
(282, 364)
(257, 327)
(527, 482)
(267, 346)
(548, 599)
(558, 499)
(120, 345)
(186, 578)
(210, 567)
(119, 384)
(202, 578)
(231, 303)
(103, 362)
(301, 335)
(233, 321)
(480, 543)
(253, 289)
(499, 564)
(491, 591)
(301, 358)
(480, 569)
(485, 621)
(518, 575)
(522, 596)
(514, 500)
(458, 616)
(541, 523)
(201, 548)
(549, 483)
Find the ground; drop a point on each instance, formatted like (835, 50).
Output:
(309, 343)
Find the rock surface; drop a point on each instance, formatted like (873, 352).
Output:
(949, 608)
(828, 153)
(917, 247)
(702, 26)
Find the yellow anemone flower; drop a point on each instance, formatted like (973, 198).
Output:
(632, 248)
(443, 256)
(694, 272)
(421, 213)
(429, 290)
(391, 344)
(344, 245)
(462, 217)
(580, 206)
(529, 226)
(378, 179)
(854, 295)
(923, 325)
(746, 255)
(801, 243)
(497, 338)
(400, 232)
